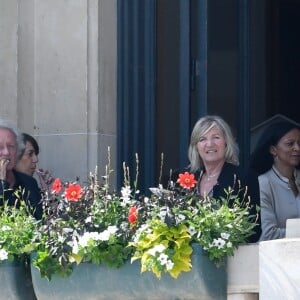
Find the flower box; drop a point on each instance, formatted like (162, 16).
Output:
(89, 281)
(15, 281)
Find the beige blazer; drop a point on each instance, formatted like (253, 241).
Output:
(278, 204)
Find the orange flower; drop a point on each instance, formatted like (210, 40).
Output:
(56, 186)
(132, 216)
(73, 192)
(187, 180)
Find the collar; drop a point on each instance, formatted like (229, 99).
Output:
(279, 175)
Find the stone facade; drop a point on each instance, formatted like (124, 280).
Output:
(58, 79)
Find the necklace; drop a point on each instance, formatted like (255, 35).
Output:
(209, 177)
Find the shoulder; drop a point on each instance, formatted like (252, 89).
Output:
(25, 180)
(230, 168)
(266, 183)
(231, 172)
(265, 177)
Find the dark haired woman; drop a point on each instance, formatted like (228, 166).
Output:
(28, 158)
(276, 160)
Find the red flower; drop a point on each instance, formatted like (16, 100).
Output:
(56, 186)
(132, 215)
(187, 180)
(73, 192)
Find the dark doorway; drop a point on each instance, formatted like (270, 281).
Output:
(273, 57)
(283, 58)
(181, 59)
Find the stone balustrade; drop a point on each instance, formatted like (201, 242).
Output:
(267, 270)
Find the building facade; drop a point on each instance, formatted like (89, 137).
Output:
(132, 75)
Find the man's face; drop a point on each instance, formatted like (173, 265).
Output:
(8, 148)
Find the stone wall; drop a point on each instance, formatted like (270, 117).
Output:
(58, 79)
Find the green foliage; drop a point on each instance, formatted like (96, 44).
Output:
(221, 225)
(174, 218)
(163, 248)
(18, 229)
(91, 227)
(93, 224)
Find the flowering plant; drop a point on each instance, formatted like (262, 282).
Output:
(172, 219)
(93, 224)
(81, 224)
(17, 229)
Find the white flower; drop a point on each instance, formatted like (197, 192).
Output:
(158, 248)
(88, 219)
(112, 229)
(108, 197)
(126, 192)
(70, 243)
(5, 227)
(229, 245)
(180, 218)
(219, 243)
(104, 235)
(163, 258)
(192, 230)
(169, 265)
(3, 254)
(75, 248)
(225, 235)
(83, 240)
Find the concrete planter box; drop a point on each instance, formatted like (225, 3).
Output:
(204, 281)
(15, 281)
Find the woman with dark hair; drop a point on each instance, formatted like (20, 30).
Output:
(214, 158)
(28, 157)
(275, 160)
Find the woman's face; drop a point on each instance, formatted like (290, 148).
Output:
(27, 163)
(212, 146)
(8, 148)
(287, 150)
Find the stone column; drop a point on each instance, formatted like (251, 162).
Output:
(58, 80)
(8, 58)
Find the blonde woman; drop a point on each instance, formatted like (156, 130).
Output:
(213, 155)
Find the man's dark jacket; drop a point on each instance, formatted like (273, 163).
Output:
(31, 193)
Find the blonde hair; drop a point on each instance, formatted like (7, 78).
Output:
(202, 126)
